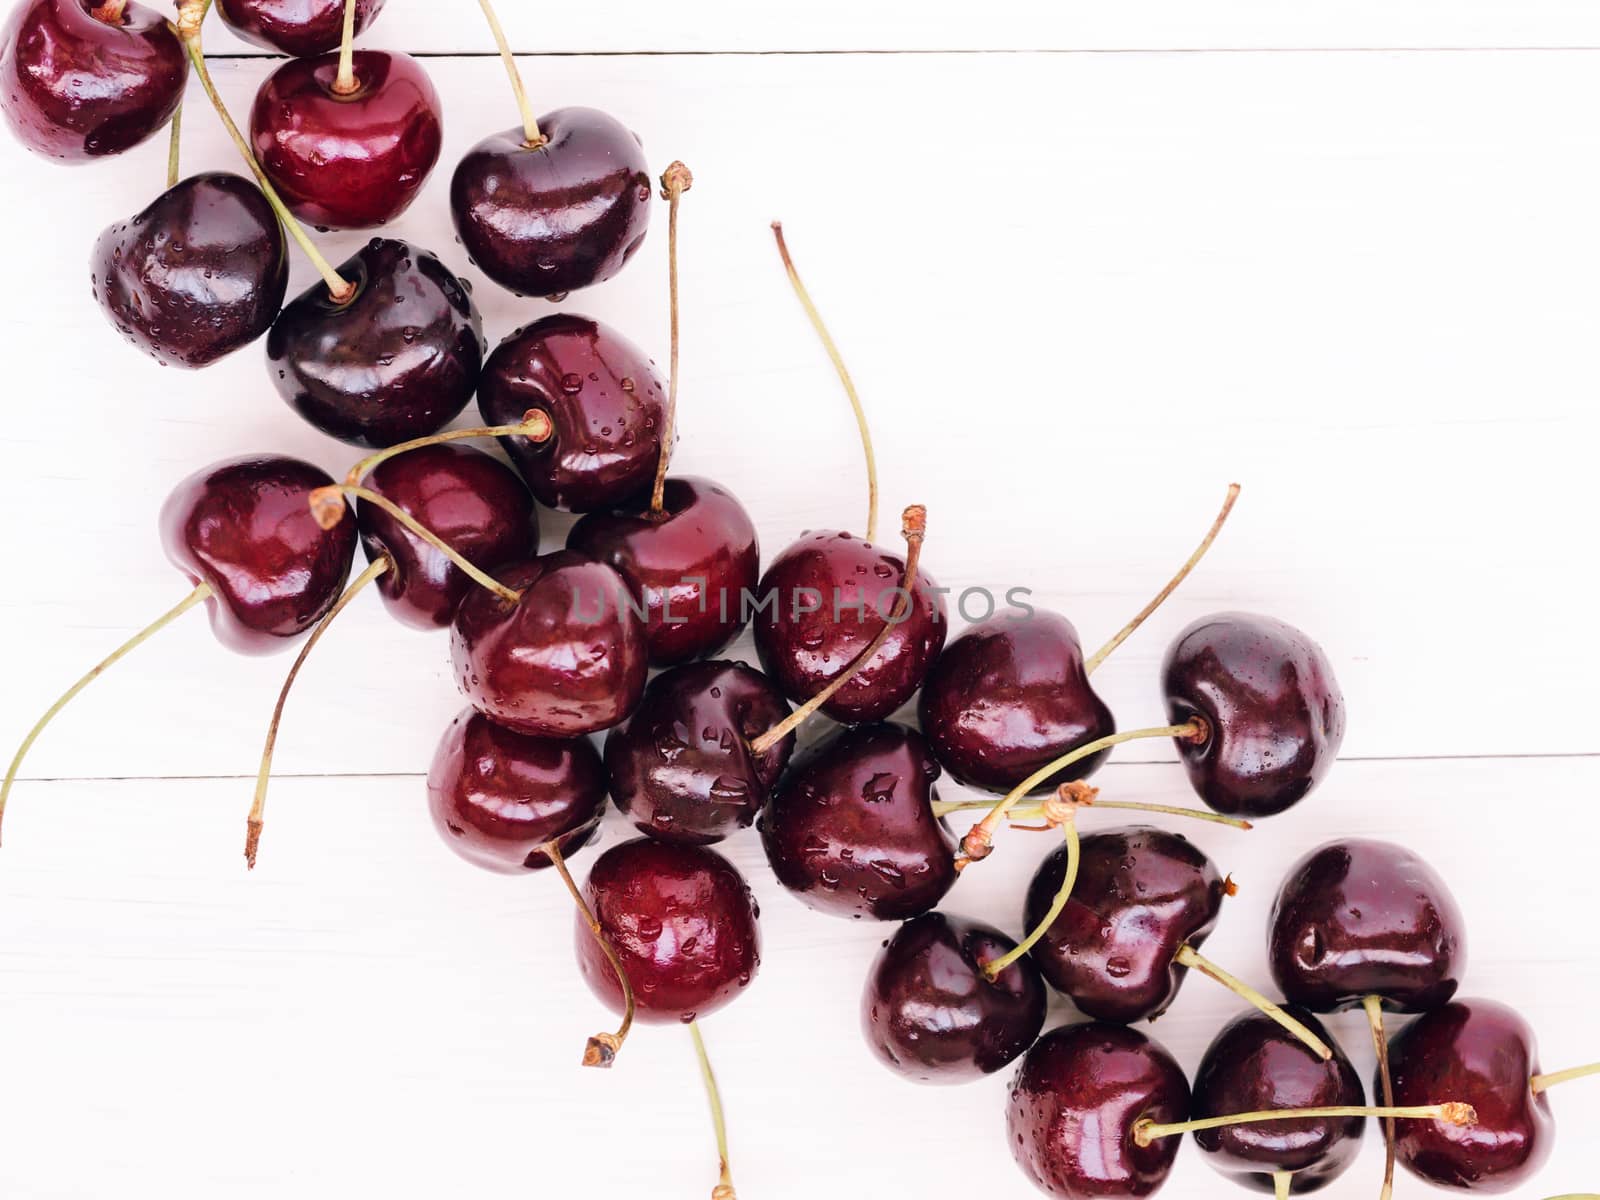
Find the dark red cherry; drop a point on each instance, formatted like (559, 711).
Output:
(499, 797)
(347, 162)
(831, 594)
(1142, 894)
(550, 220)
(851, 829)
(245, 528)
(1481, 1053)
(566, 659)
(683, 922)
(1008, 696)
(396, 361)
(201, 271)
(1076, 1099)
(1274, 711)
(1255, 1065)
(470, 499)
(682, 767)
(300, 28)
(1357, 918)
(691, 566)
(931, 1014)
(603, 398)
(81, 79)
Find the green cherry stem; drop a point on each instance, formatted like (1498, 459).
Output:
(724, 1189)
(1187, 956)
(1069, 830)
(675, 181)
(1542, 1083)
(532, 138)
(174, 146)
(602, 1048)
(1033, 812)
(535, 426)
(1280, 1184)
(1380, 1045)
(344, 82)
(1451, 1112)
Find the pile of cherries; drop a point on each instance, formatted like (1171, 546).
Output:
(663, 572)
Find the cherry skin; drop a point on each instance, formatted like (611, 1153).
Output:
(1142, 894)
(1357, 918)
(347, 162)
(1273, 709)
(549, 220)
(75, 87)
(201, 271)
(245, 528)
(682, 767)
(498, 798)
(603, 399)
(683, 922)
(395, 362)
(473, 501)
(931, 1014)
(1255, 1065)
(1483, 1054)
(1008, 696)
(567, 659)
(1077, 1097)
(850, 829)
(833, 593)
(299, 28)
(690, 565)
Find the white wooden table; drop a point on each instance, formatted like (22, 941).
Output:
(1089, 262)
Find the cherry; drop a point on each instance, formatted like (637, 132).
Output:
(347, 150)
(682, 766)
(931, 1014)
(80, 80)
(395, 359)
(1076, 1100)
(1272, 709)
(301, 28)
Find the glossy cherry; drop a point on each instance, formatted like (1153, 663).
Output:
(472, 500)
(351, 161)
(602, 396)
(931, 1014)
(550, 219)
(851, 828)
(567, 658)
(300, 28)
(1079, 1093)
(683, 922)
(1009, 695)
(201, 271)
(1255, 1065)
(80, 80)
(396, 361)
(1273, 708)
(692, 566)
(682, 767)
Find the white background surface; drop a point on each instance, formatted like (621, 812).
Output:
(1332, 258)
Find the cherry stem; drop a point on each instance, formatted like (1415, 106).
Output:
(344, 83)
(201, 591)
(1188, 957)
(602, 1048)
(1280, 1184)
(191, 15)
(252, 837)
(1380, 1045)
(535, 426)
(1127, 630)
(1452, 1112)
(724, 1189)
(1541, 1083)
(1069, 829)
(675, 181)
(174, 145)
(979, 842)
(531, 137)
(328, 507)
(1031, 812)
(913, 525)
(844, 378)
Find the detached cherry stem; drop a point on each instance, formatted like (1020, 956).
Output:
(1187, 956)
(1069, 829)
(675, 181)
(914, 523)
(1542, 1083)
(200, 592)
(253, 825)
(602, 1048)
(724, 1189)
(844, 378)
(535, 426)
(344, 83)
(1451, 1112)
(1127, 630)
(1380, 1045)
(532, 138)
(1084, 796)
